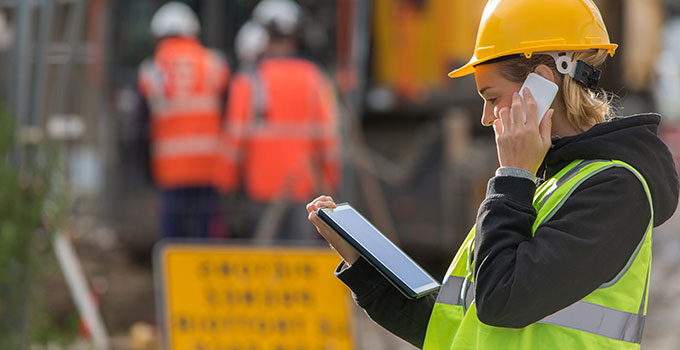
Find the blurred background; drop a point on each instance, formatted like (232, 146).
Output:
(411, 153)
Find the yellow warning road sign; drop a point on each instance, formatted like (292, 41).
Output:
(222, 297)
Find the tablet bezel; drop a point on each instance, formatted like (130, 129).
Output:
(391, 276)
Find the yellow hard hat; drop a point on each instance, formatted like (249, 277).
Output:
(527, 26)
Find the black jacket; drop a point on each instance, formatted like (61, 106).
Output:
(520, 279)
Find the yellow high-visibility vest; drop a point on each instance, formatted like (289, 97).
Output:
(610, 317)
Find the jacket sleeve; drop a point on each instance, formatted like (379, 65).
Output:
(405, 318)
(519, 279)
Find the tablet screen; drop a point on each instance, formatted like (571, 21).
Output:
(380, 247)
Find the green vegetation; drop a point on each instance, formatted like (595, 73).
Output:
(31, 202)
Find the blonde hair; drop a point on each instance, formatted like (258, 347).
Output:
(584, 107)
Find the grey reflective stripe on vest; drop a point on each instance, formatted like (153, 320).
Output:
(566, 177)
(581, 315)
(451, 292)
(600, 320)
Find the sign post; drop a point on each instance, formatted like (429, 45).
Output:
(223, 297)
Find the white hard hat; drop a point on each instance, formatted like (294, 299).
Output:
(251, 40)
(175, 18)
(283, 15)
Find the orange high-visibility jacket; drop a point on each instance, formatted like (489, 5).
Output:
(280, 132)
(184, 85)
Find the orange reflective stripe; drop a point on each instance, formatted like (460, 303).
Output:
(229, 153)
(304, 131)
(237, 130)
(185, 146)
(198, 104)
(282, 130)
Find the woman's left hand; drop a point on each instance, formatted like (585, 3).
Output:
(522, 143)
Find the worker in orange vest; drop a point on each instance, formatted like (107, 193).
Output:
(280, 138)
(183, 87)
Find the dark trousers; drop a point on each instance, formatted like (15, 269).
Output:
(187, 211)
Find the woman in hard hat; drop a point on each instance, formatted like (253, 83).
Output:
(564, 264)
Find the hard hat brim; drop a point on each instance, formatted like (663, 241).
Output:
(462, 71)
(469, 67)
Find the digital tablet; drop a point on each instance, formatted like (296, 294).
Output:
(409, 278)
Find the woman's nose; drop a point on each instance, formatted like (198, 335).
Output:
(488, 116)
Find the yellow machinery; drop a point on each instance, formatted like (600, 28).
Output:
(415, 43)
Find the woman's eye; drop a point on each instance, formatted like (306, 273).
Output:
(492, 101)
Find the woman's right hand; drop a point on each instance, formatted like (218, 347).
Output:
(522, 143)
(343, 248)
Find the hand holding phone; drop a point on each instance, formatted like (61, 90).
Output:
(525, 148)
(543, 91)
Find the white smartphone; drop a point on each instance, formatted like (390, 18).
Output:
(544, 92)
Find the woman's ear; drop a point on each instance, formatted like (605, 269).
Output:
(545, 71)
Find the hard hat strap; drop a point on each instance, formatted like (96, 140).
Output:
(587, 75)
(580, 71)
